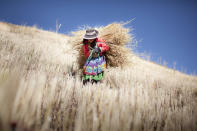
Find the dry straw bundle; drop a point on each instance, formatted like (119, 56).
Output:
(115, 35)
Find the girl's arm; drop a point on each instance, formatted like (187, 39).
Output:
(86, 50)
(102, 45)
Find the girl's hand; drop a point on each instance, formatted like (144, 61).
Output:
(96, 50)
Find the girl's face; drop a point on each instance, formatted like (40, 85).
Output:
(90, 40)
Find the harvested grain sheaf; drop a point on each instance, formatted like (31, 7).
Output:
(115, 35)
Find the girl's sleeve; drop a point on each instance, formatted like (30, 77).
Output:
(103, 46)
(86, 51)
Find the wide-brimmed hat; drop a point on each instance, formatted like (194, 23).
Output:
(91, 34)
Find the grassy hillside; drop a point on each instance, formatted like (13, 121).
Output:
(41, 89)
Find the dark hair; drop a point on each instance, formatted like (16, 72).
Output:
(85, 41)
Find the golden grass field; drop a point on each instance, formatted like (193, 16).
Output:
(41, 88)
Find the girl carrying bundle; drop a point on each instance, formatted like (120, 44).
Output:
(94, 49)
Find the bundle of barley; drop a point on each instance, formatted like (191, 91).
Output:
(115, 35)
(117, 56)
(76, 41)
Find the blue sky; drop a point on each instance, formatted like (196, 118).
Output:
(165, 29)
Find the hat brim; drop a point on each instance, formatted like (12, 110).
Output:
(89, 37)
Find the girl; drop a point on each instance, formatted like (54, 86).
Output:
(95, 64)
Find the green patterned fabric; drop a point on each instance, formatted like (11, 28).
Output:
(95, 77)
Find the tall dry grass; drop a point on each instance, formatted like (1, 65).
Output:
(41, 89)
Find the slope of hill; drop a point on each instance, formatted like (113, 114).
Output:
(41, 89)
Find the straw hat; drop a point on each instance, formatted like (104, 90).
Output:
(91, 34)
